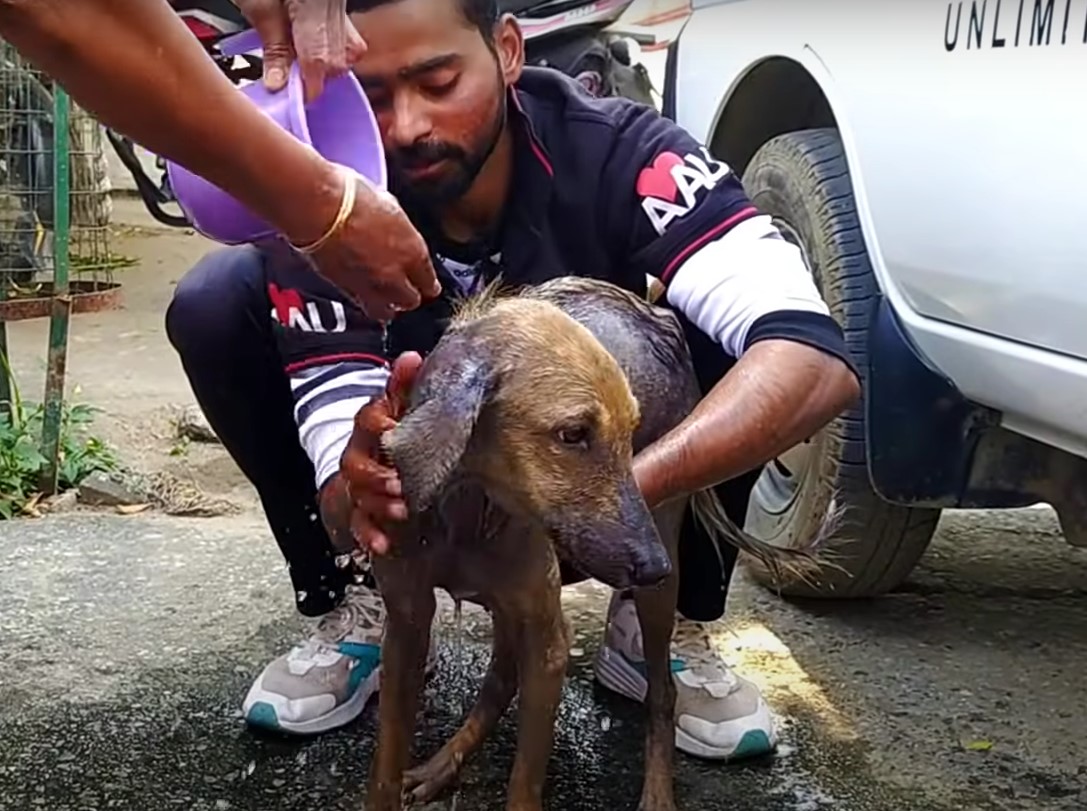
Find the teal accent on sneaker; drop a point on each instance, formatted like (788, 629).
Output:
(368, 657)
(755, 742)
(263, 715)
(368, 654)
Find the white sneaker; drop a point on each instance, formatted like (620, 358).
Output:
(719, 715)
(328, 680)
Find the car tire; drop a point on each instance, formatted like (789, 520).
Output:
(802, 180)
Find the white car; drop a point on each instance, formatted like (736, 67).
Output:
(926, 156)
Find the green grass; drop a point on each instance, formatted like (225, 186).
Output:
(22, 464)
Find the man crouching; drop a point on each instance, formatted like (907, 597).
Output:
(513, 171)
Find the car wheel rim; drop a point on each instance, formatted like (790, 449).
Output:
(782, 480)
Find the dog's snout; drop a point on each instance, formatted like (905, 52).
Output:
(649, 563)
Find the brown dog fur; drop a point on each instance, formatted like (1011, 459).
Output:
(516, 453)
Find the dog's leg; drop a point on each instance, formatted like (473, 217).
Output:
(657, 615)
(410, 604)
(543, 651)
(499, 686)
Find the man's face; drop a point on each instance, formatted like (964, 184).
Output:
(438, 91)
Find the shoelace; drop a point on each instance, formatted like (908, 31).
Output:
(360, 605)
(694, 644)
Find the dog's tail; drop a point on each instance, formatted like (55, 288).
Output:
(783, 564)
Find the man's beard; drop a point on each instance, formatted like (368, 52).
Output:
(463, 167)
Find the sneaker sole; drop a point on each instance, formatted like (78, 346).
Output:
(750, 733)
(615, 673)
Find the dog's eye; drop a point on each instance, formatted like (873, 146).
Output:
(574, 435)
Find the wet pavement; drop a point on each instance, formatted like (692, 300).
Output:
(127, 644)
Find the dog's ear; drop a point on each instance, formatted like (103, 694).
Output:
(428, 443)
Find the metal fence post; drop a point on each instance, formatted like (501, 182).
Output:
(62, 302)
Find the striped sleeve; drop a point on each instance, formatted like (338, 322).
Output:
(751, 284)
(326, 399)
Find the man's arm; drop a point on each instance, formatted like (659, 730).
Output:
(326, 400)
(136, 67)
(777, 395)
(685, 218)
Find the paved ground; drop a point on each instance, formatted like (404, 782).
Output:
(127, 644)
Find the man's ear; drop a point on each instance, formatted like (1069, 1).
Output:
(509, 46)
(427, 445)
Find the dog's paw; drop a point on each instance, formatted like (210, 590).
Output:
(657, 802)
(657, 806)
(424, 783)
(387, 799)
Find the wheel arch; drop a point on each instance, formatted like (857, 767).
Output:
(774, 96)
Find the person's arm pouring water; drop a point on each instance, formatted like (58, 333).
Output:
(135, 66)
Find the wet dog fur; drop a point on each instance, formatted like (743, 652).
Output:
(516, 454)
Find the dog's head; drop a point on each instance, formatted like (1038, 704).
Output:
(526, 399)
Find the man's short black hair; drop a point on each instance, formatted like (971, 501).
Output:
(482, 14)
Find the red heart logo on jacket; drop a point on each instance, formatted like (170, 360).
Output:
(657, 181)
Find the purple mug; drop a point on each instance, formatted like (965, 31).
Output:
(339, 125)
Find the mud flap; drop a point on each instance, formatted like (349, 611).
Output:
(921, 432)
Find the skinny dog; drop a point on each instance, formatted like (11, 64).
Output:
(515, 457)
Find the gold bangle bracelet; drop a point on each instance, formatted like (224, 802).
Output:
(347, 205)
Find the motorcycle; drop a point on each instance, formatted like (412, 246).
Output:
(566, 35)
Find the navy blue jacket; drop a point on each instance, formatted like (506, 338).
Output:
(595, 194)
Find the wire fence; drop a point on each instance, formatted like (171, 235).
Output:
(55, 258)
(27, 183)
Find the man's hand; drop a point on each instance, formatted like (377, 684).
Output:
(318, 32)
(373, 487)
(378, 258)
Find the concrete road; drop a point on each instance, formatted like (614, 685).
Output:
(127, 644)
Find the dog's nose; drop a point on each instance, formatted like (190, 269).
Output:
(651, 568)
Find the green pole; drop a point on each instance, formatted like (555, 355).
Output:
(5, 381)
(62, 302)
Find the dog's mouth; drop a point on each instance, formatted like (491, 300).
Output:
(619, 556)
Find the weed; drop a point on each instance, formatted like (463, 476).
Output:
(22, 464)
